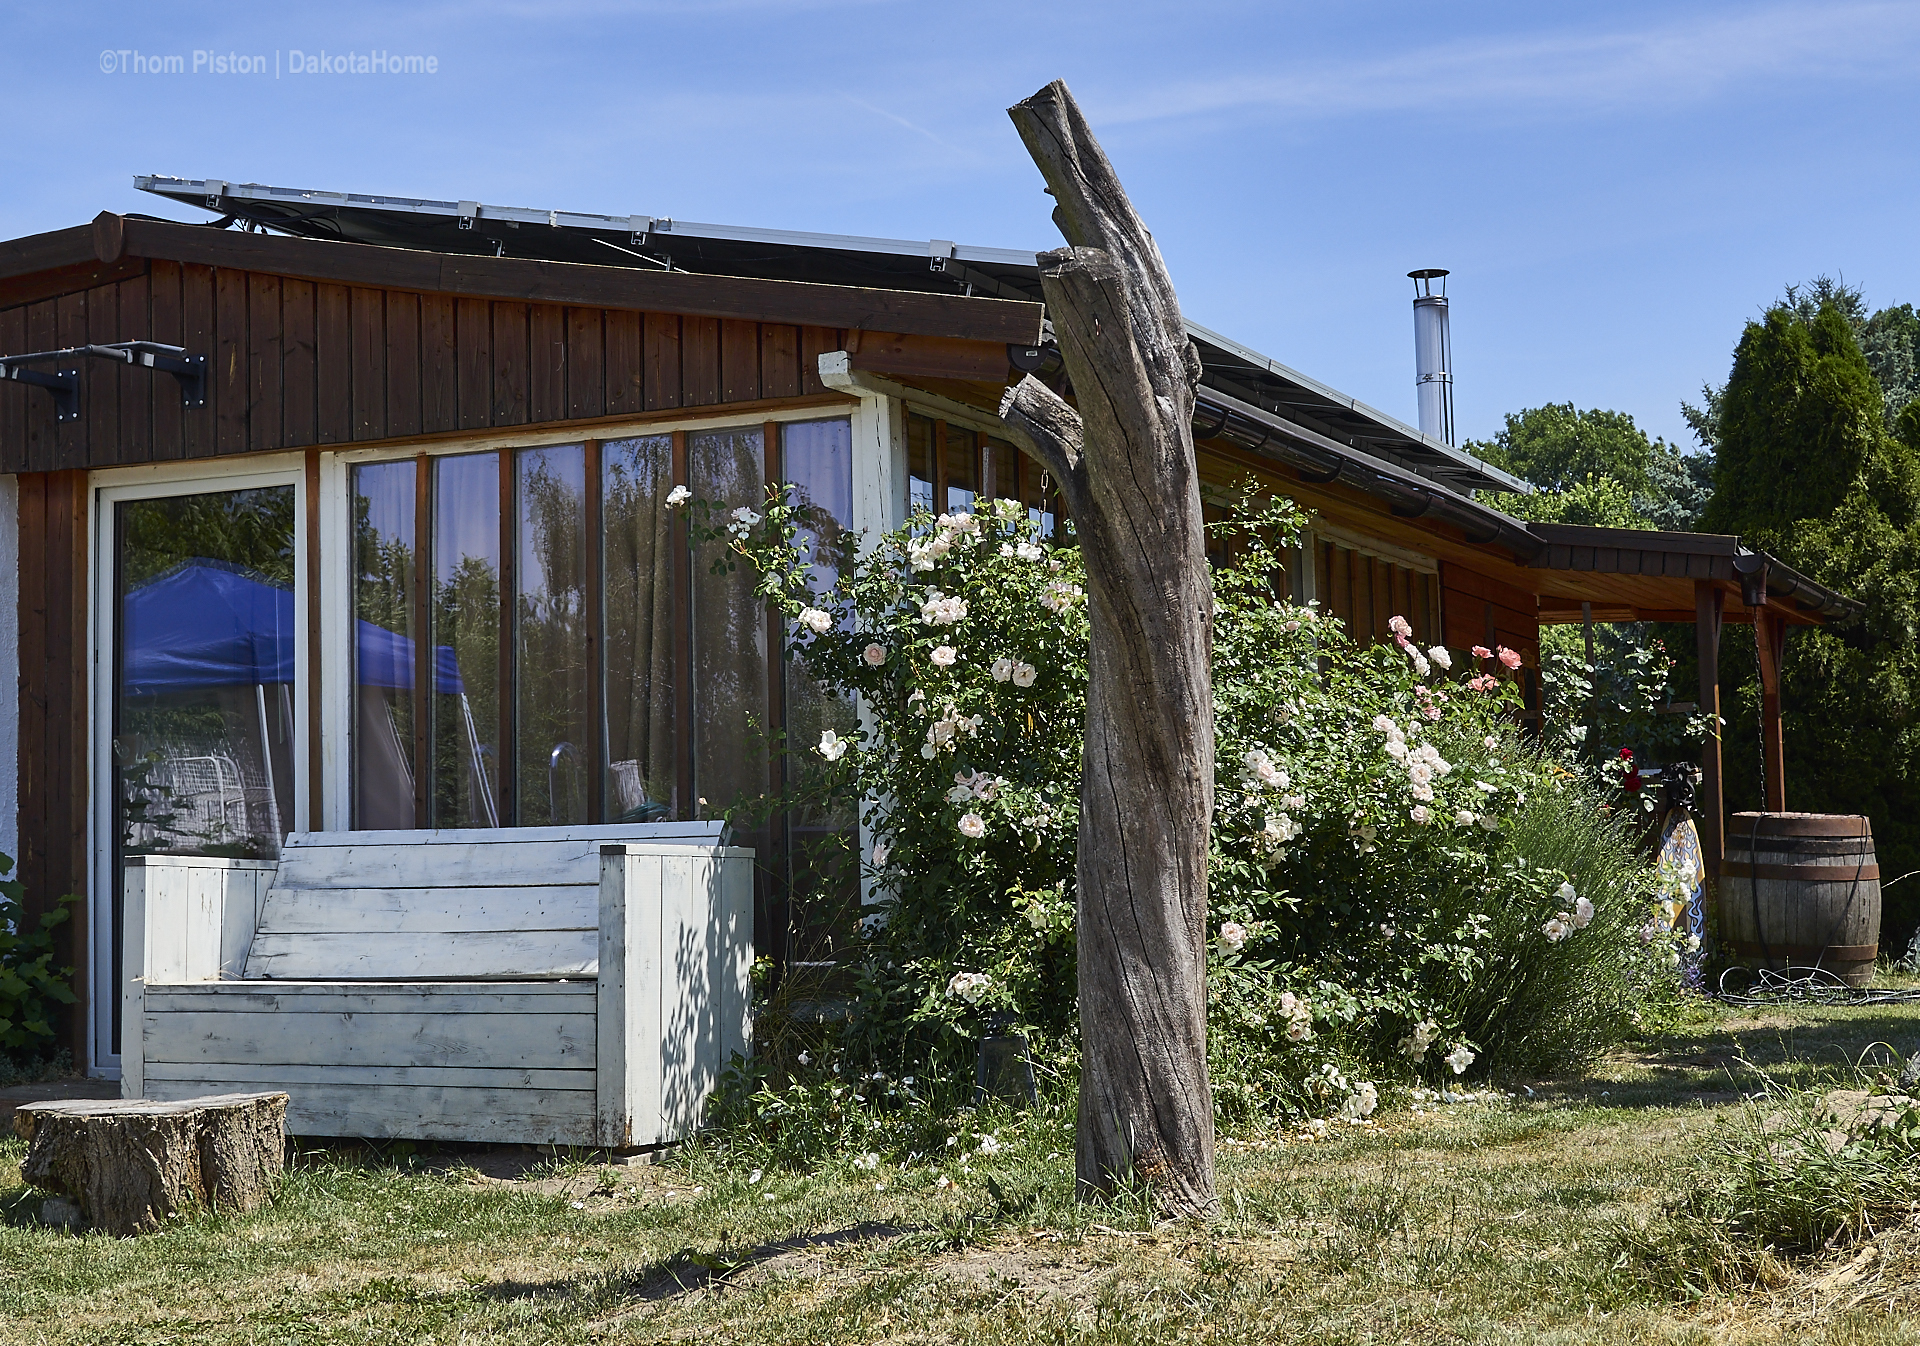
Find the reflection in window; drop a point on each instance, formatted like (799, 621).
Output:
(466, 620)
(551, 716)
(1002, 471)
(636, 476)
(963, 469)
(203, 707)
(922, 469)
(822, 838)
(730, 706)
(383, 575)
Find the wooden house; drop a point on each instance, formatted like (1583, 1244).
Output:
(375, 435)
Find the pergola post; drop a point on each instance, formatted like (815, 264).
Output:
(1770, 637)
(1709, 603)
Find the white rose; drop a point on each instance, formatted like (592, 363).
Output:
(679, 495)
(875, 655)
(1233, 937)
(1440, 656)
(973, 825)
(1002, 669)
(1582, 913)
(1558, 928)
(1460, 1058)
(832, 746)
(880, 853)
(944, 656)
(1023, 675)
(816, 620)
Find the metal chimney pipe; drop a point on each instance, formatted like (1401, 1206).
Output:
(1432, 353)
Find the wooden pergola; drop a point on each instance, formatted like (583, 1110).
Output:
(1710, 580)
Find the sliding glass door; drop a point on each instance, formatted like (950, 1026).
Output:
(198, 686)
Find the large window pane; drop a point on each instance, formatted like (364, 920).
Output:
(636, 476)
(729, 633)
(922, 471)
(552, 719)
(963, 469)
(203, 713)
(383, 641)
(466, 622)
(822, 839)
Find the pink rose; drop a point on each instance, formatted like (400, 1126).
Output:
(1482, 652)
(1511, 658)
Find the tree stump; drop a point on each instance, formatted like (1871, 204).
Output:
(130, 1165)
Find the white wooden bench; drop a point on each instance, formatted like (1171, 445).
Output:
(577, 986)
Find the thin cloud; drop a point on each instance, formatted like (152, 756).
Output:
(1680, 62)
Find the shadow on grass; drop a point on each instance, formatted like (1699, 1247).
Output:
(1717, 1063)
(687, 1270)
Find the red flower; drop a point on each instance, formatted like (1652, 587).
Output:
(1631, 784)
(1626, 754)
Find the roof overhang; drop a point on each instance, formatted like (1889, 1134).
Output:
(938, 266)
(1632, 575)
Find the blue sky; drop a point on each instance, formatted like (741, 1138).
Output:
(1616, 188)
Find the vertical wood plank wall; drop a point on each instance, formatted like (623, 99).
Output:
(53, 716)
(1366, 592)
(294, 364)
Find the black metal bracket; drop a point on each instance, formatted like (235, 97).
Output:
(189, 371)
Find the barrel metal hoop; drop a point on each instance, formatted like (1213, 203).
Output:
(1801, 825)
(1740, 869)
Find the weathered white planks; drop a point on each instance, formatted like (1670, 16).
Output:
(675, 948)
(639, 834)
(290, 910)
(465, 1077)
(332, 997)
(188, 919)
(422, 1038)
(496, 955)
(427, 1112)
(515, 986)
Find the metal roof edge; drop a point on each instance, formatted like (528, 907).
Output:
(161, 185)
(1359, 408)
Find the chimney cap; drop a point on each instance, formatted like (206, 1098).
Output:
(1423, 282)
(1428, 273)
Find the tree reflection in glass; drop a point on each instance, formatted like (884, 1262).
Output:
(466, 619)
(550, 637)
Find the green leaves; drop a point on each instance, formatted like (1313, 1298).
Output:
(30, 985)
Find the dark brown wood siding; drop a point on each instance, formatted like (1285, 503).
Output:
(1482, 611)
(53, 714)
(293, 363)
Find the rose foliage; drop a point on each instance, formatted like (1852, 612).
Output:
(1399, 886)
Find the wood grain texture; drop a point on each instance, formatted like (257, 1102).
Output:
(1125, 462)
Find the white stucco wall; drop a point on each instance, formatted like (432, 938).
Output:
(9, 665)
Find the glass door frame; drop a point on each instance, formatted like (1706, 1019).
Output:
(109, 489)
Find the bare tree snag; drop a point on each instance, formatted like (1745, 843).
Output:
(1124, 460)
(129, 1165)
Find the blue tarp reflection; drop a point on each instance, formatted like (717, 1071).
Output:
(205, 624)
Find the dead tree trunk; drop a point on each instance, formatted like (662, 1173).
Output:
(127, 1166)
(1125, 464)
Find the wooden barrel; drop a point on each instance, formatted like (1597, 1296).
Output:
(1802, 890)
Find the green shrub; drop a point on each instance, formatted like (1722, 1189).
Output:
(1398, 883)
(30, 985)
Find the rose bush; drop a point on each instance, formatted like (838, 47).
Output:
(1399, 884)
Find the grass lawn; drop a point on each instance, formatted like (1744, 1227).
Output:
(1487, 1222)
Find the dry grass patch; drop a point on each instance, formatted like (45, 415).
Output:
(1483, 1223)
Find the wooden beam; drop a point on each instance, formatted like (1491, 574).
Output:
(1770, 638)
(1709, 603)
(928, 357)
(800, 303)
